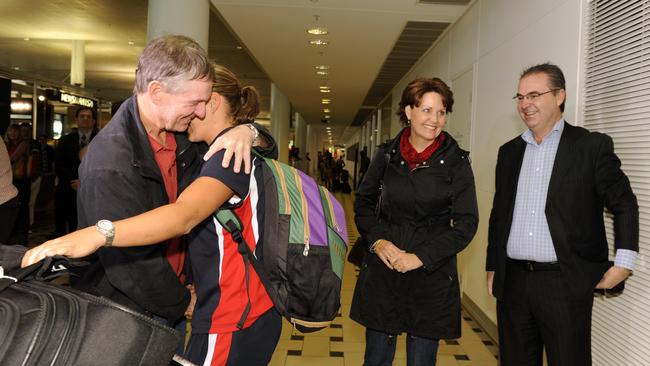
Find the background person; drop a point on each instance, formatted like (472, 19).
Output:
(410, 283)
(9, 204)
(364, 162)
(547, 248)
(66, 166)
(19, 150)
(35, 167)
(216, 263)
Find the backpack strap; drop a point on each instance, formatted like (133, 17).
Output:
(230, 221)
(380, 195)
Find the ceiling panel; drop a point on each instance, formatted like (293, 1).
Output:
(363, 58)
(413, 42)
(271, 33)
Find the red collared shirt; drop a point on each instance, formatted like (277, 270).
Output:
(166, 159)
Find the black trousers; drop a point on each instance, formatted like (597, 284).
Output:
(65, 210)
(539, 312)
(252, 346)
(8, 213)
(20, 233)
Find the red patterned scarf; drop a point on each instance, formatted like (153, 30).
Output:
(412, 157)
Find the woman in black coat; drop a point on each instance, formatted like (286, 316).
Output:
(417, 208)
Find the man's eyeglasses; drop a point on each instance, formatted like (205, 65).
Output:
(531, 96)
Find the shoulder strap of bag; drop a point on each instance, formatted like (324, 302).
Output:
(231, 222)
(381, 184)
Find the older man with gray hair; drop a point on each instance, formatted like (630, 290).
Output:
(142, 160)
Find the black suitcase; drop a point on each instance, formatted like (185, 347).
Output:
(45, 324)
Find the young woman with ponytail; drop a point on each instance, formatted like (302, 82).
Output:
(217, 267)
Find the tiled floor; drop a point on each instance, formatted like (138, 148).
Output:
(343, 343)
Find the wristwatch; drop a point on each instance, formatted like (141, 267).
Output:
(107, 229)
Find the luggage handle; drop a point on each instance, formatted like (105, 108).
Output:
(44, 270)
(2, 275)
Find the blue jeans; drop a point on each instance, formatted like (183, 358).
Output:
(380, 349)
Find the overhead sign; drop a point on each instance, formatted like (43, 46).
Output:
(77, 100)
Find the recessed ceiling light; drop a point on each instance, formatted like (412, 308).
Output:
(323, 87)
(131, 43)
(325, 90)
(322, 67)
(326, 101)
(41, 98)
(319, 42)
(26, 38)
(327, 116)
(16, 68)
(317, 31)
(326, 110)
(239, 47)
(322, 73)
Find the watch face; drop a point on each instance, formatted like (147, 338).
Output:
(105, 225)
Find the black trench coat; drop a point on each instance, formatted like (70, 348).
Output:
(431, 212)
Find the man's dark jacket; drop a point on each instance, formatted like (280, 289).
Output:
(120, 178)
(417, 211)
(586, 178)
(66, 162)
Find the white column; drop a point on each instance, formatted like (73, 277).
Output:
(189, 17)
(372, 125)
(78, 63)
(280, 116)
(378, 128)
(34, 109)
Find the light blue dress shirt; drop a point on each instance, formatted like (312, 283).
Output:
(530, 237)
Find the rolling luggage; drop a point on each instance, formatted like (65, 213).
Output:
(45, 324)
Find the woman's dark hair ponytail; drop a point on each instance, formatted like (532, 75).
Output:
(244, 102)
(250, 105)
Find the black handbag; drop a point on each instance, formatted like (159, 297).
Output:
(361, 246)
(358, 252)
(46, 324)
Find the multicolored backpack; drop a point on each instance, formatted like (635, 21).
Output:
(301, 256)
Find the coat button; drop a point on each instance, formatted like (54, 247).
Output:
(183, 165)
(442, 161)
(402, 162)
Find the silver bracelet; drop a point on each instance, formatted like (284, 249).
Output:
(372, 247)
(256, 133)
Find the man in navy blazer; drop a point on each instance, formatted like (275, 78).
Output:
(66, 166)
(547, 249)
